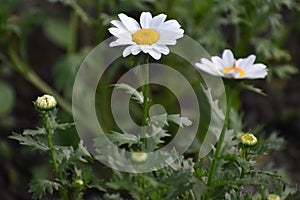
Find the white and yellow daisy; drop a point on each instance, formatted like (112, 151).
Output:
(151, 35)
(229, 67)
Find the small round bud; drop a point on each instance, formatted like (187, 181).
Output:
(79, 182)
(46, 102)
(139, 156)
(273, 197)
(249, 139)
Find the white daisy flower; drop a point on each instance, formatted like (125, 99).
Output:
(151, 36)
(229, 67)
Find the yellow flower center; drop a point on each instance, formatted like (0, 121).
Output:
(249, 139)
(145, 36)
(234, 68)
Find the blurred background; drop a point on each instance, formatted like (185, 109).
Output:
(42, 44)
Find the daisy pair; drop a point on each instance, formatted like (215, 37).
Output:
(153, 34)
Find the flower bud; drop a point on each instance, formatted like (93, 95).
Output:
(139, 156)
(45, 102)
(273, 197)
(249, 139)
(79, 182)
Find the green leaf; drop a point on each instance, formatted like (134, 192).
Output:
(181, 121)
(285, 71)
(39, 188)
(29, 141)
(253, 89)
(123, 138)
(57, 31)
(6, 98)
(216, 124)
(30, 132)
(138, 96)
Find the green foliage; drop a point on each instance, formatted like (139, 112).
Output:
(257, 26)
(6, 98)
(65, 160)
(39, 188)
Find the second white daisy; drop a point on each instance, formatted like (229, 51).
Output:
(151, 36)
(229, 67)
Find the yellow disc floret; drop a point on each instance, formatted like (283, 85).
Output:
(234, 68)
(139, 156)
(249, 139)
(273, 197)
(146, 36)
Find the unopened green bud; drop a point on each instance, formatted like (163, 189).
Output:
(273, 197)
(46, 102)
(79, 182)
(139, 156)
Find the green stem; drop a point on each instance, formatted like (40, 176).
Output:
(81, 13)
(216, 158)
(146, 93)
(63, 191)
(35, 80)
(73, 25)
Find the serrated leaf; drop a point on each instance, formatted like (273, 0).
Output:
(40, 187)
(39, 131)
(215, 126)
(62, 126)
(123, 138)
(155, 138)
(181, 121)
(138, 96)
(63, 154)
(81, 152)
(253, 89)
(30, 142)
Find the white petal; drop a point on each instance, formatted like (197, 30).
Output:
(166, 42)
(257, 74)
(170, 24)
(228, 58)
(120, 33)
(145, 19)
(217, 61)
(256, 67)
(146, 48)
(158, 20)
(120, 42)
(127, 51)
(118, 24)
(155, 54)
(165, 34)
(247, 62)
(161, 48)
(135, 50)
(131, 24)
(206, 69)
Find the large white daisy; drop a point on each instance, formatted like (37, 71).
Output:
(229, 67)
(151, 36)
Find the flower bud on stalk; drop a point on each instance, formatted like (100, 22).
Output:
(45, 102)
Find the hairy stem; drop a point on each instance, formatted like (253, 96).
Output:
(146, 93)
(216, 158)
(63, 191)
